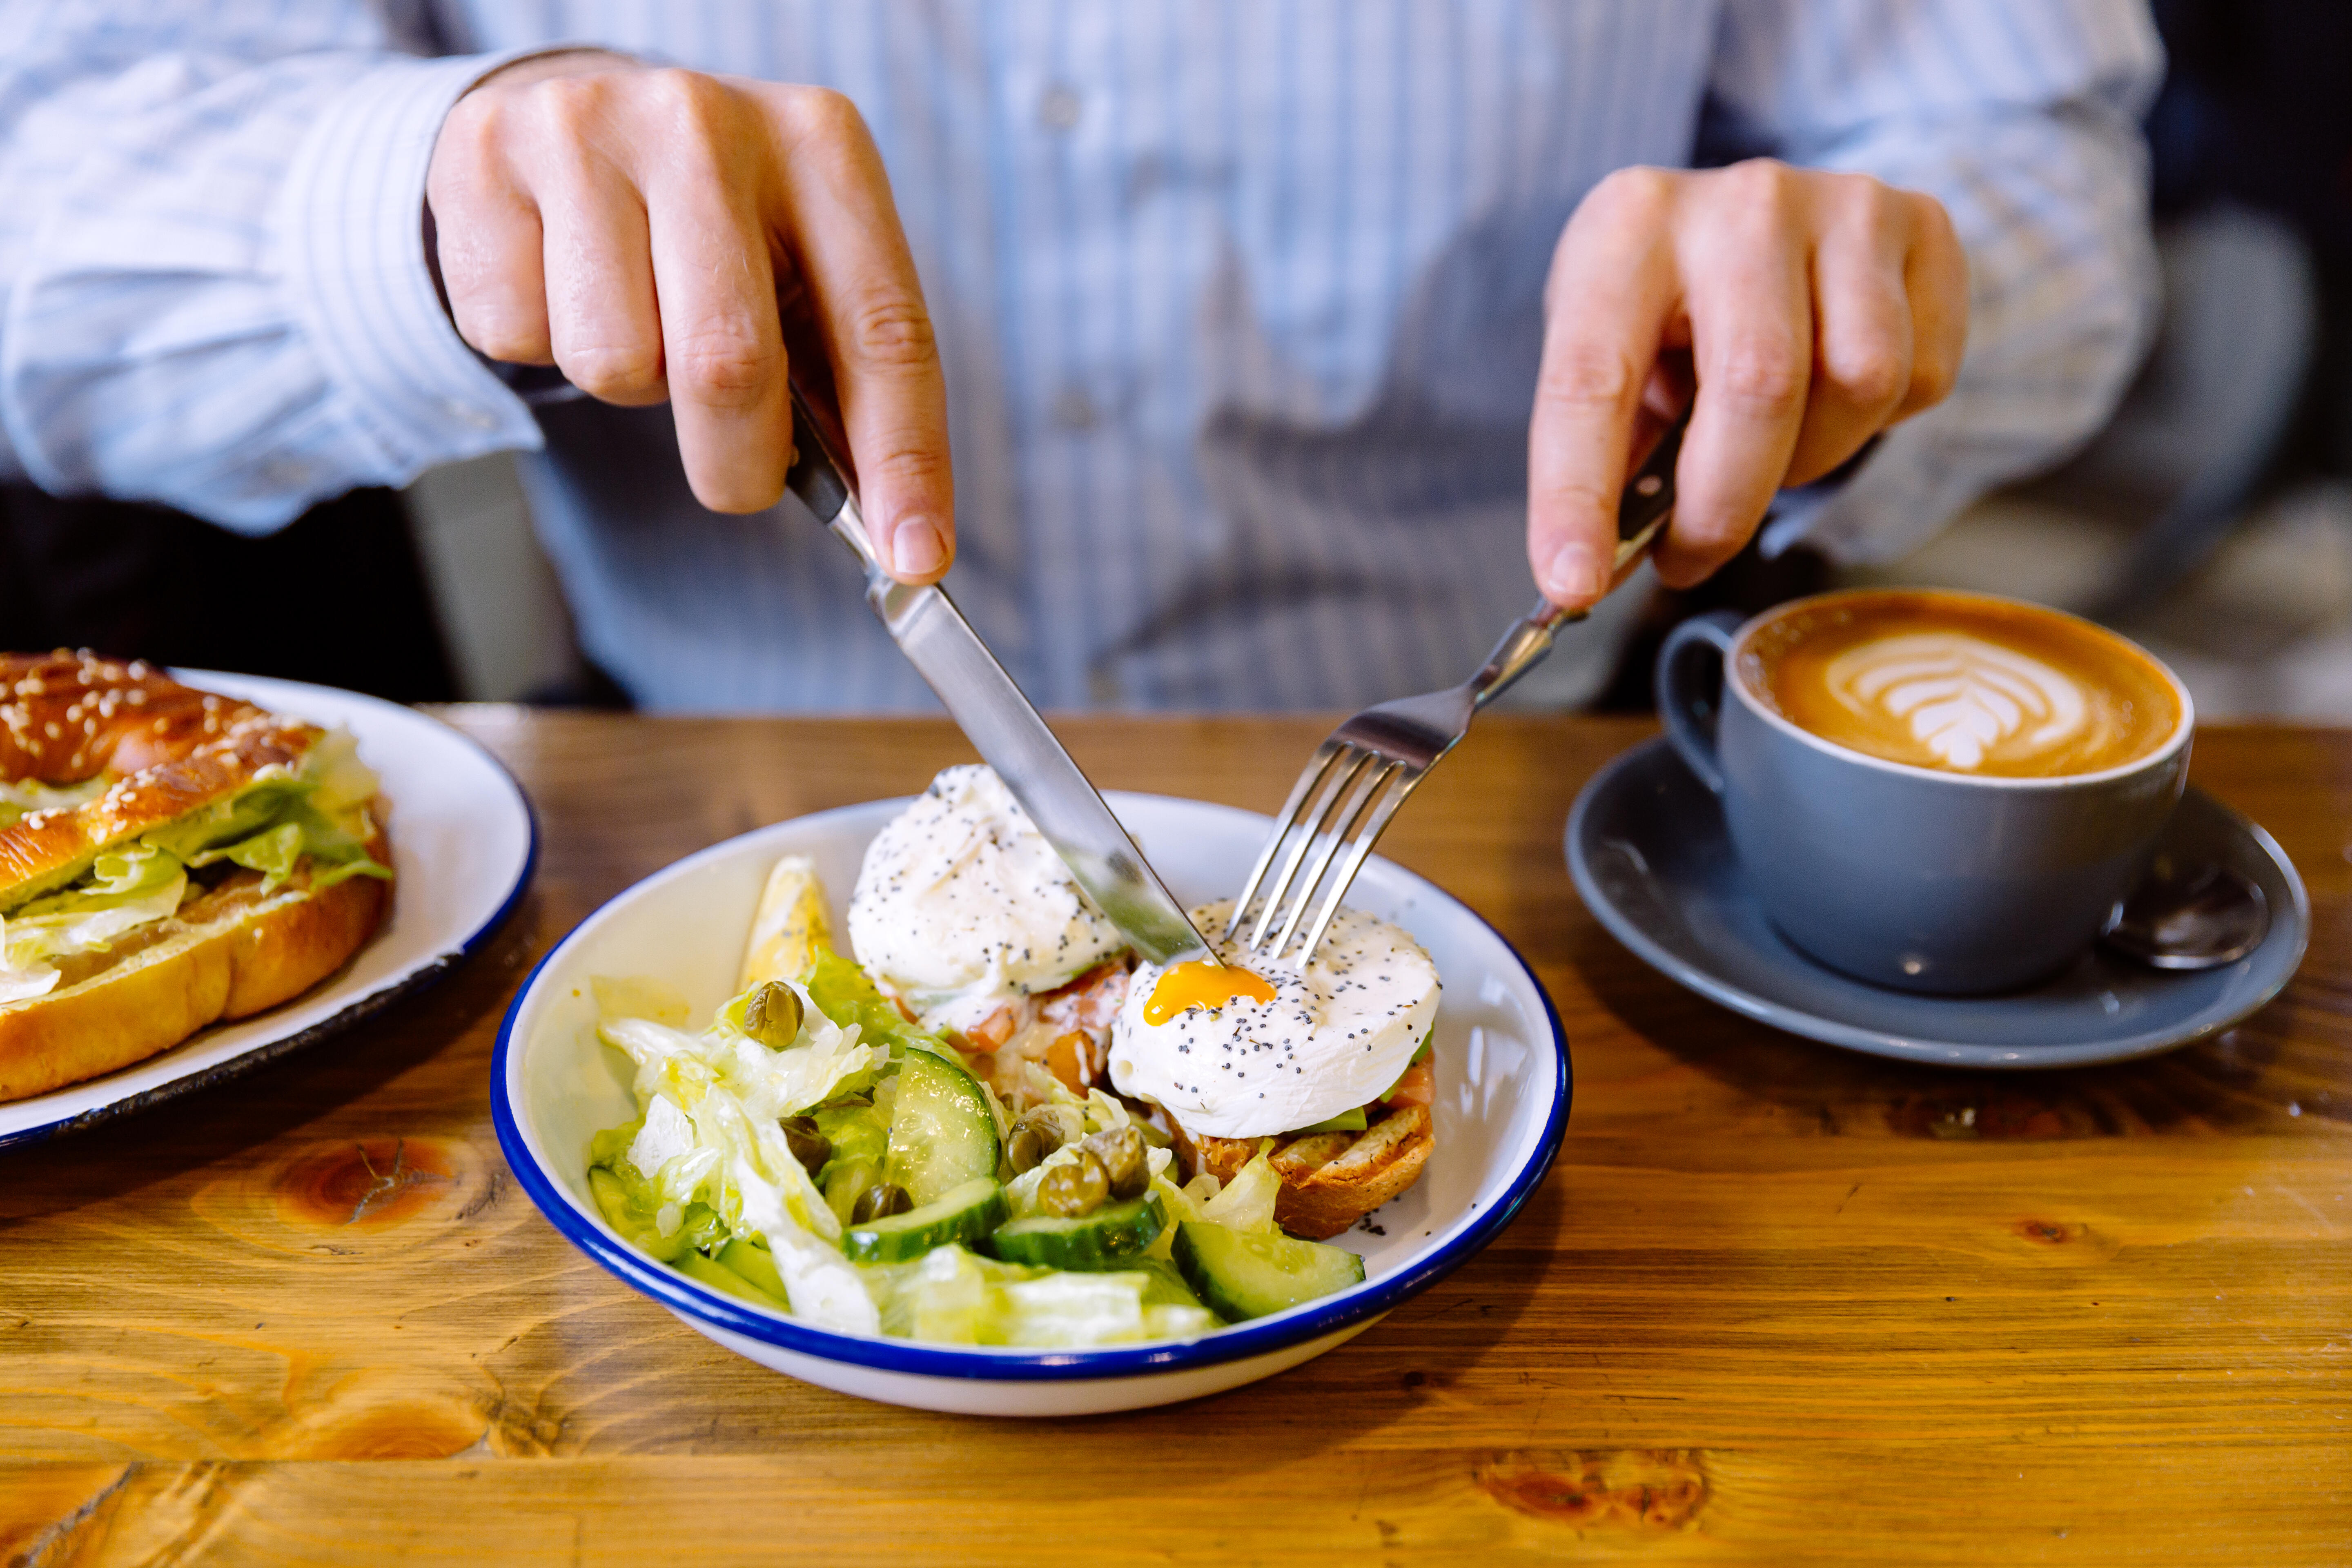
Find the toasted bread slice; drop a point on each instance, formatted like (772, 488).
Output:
(1330, 1180)
(229, 954)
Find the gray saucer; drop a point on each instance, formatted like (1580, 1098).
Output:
(1647, 847)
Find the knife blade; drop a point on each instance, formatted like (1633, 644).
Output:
(1000, 721)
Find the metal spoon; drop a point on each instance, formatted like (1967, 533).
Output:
(2188, 914)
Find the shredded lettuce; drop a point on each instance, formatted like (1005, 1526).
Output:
(1246, 1203)
(241, 816)
(706, 1179)
(269, 826)
(282, 817)
(125, 888)
(709, 1135)
(951, 1296)
(341, 784)
(848, 997)
(824, 1062)
(296, 828)
(30, 795)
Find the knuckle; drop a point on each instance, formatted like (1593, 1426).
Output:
(688, 101)
(1577, 497)
(1707, 536)
(613, 371)
(1933, 376)
(1583, 377)
(723, 364)
(1933, 220)
(822, 113)
(570, 104)
(908, 467)
(1761, 184)
(1634, 193)
(1863, 190)
(1766, 375)
(474, 122)
(681, 90)
(893, 330)
(506, 341)
(1874, 376)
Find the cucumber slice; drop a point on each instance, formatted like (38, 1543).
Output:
(1250, 1274)
(754, 1263)
(1167, 1289)
(718, 1277)
(1110, 1237)
(942, 1134)
(964, 1212)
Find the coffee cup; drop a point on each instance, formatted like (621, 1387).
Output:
(1933, 791)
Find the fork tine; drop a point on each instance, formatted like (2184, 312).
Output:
(1365, 801)
(1309, 777)
(1355, 861)
(1341, 784)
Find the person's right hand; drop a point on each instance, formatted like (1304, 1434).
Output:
(657, 233)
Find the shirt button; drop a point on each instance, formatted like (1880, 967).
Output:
(466, 414)
(1058, 107)
(1073, 409)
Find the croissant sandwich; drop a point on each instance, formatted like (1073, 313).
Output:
(169, 857)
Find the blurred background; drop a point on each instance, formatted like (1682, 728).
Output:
(2212, 520)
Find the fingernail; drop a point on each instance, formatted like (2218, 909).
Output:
(1574, 576)
(918, 549)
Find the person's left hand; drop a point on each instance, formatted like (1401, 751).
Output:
(1813, 309)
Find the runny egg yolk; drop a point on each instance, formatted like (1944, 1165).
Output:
(1200, 983)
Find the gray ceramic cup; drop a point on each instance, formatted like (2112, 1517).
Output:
(1907, 877)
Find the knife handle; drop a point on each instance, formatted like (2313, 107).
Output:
(822, 484)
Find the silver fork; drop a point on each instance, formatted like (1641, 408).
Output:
(1371, 763)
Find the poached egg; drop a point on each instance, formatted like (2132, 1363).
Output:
(1336, 1034)
(961, 905)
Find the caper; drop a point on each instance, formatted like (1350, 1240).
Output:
(1120, 1150)
(772, 1016)
(879, 1201)
(1035, 1136)
(809, 1146)
(1076, 1188)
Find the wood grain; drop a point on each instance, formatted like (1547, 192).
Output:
(1776, 1302)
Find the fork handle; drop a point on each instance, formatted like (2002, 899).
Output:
(1647, 502)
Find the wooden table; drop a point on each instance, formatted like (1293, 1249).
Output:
(1776, 1303)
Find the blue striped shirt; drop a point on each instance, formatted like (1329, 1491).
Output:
(1239, 301)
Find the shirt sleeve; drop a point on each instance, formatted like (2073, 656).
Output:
(214, 291)
(2022, 118)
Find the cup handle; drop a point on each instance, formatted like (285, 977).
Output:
(1684, 704)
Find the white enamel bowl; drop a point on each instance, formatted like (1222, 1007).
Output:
(1503, 1095)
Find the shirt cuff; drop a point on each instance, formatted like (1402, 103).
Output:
(351, 223)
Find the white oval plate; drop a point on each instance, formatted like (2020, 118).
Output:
(463, 844)
(1503, 1096)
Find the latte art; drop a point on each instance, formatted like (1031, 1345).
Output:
(1961, 696)
(1960, 683)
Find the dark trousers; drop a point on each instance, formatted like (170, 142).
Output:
(337, 596)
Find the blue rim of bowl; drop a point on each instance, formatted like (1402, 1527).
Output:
(1238, 1341)
(422, 978)
(1965, 1054)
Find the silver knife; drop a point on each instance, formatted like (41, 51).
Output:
(998, 721)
